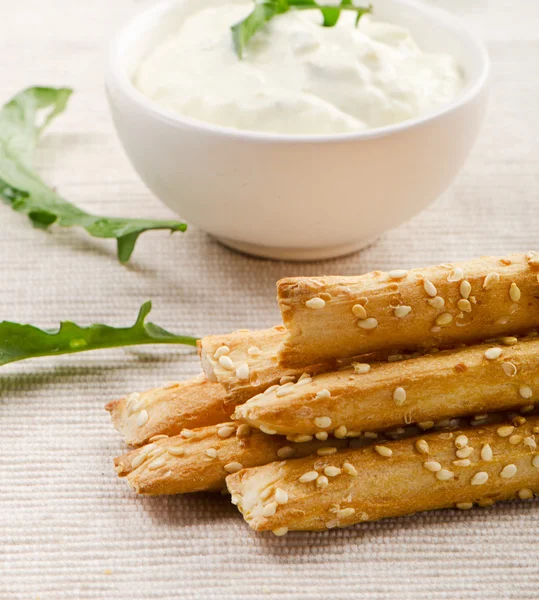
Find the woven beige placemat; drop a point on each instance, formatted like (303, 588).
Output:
(69, 529)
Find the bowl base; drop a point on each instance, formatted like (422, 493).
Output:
(295, 254)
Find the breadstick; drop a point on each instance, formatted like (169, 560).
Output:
(169, 409)
(200, 460)
(440, 470)
(459, 382)
(335, 317)
(246, 362)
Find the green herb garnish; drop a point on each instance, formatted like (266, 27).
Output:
(25, 192)
(19, 342)
(265, 10)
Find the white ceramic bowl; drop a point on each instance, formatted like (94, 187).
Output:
(289, 196)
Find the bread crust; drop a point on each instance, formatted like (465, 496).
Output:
(336, 317)
(433, 387)
(396, 479)
(180, 464)
(175, 406)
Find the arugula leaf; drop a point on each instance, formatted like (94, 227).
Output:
(19, 342)
(265, 10)
(25, 192)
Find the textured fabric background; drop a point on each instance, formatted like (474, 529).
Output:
(69, 528)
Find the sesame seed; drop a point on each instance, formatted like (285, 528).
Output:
(464, 305)
(133, 397)
(422, 446)
(436, 302)
(321, 435)
(226, 363)
(345, 512)
(402, 311)
(464, 505)
(525, 391)
(508, 471)
(432, 466)
(535, 461)
(271, 389)
(486, 502)
(369, 323)
(332, 471)
(309, 476)
(361, 368)
(341, 432)
(303, 381)
(505, 431)
(265, 494)
(160, 436)
(515, 439)
(384, 451)
(479, 478)
(280, 531)
(304, 376)
(461, 441)
(463, 462)
(300, 438)
(493, 353)
(224, 432)
(322, 482)
(286, 452)
(323, 394)
(285, 390)
(243, 431)
(456, 275)
(465, 289)
(464, 452)
(267, 430)
(486, 453)
(359, 311)
(490, 280)
(221, 351)
(525, 494)
(530, 442)
(148, 448)
(233, 467)
(349, 469)
(399, 396)
(397, 274)
(142, 418)
(269, 510)
(176, 450)
(445, 475)
(426, 425)
(211, 452)
(509, 340)
(281, 497)
(242, 372)
(514, 292)
(528, 408)
(371, 435)
(254, 351)
(430, 288)
(322, 422)
(395, 357)
(287, 379)
(509, 369)
(315, 303)
(138, 460)
(327, 451)
(157, 463)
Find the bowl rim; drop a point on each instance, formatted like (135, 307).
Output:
(116, 74)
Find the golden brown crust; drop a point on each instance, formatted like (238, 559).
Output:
(336, 317)
(395, 479)
(438, 386)
(249, 361)
(169, 409)
(180, 465)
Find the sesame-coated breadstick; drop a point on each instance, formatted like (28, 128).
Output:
(247, 362)
(460, 382)
(440, 470)
(200, 459)
(169, 409)
(336, 317)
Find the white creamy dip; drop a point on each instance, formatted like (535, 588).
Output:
(297, 77)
